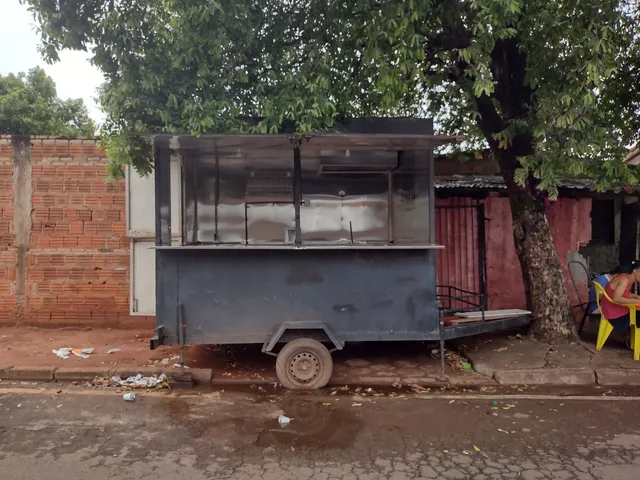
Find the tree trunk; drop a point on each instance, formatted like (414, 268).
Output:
(544, 282)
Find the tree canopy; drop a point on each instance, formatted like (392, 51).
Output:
(29, 105)
(551, 78)
(550, 86)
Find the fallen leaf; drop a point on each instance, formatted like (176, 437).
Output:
(445, 451)
(327, 404)
(476, 448)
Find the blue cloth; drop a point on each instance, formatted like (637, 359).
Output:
(602, 280)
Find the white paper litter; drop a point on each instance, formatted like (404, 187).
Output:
(65, 352)
(139, 381)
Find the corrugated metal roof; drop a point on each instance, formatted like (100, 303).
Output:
(496, 182)
(489, 182)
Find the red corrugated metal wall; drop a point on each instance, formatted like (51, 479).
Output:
(459, 263)
(570, 224)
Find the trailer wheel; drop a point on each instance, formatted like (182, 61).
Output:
(304, 363)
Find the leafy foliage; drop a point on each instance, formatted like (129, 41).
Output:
(29, 105)
(553, 83)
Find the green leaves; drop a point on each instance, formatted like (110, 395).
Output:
(29, 105)
(553, 83)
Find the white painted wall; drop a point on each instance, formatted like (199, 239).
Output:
(141, 203)
(140, 208)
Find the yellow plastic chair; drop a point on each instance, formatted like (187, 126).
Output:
(605, 328)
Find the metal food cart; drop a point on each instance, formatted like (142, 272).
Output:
(303, 243)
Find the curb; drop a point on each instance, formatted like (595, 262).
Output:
(553, 377)
(35, 374)
(204, 376)
(80, 373)
(606, 377)
(617, 377)
(87, 374)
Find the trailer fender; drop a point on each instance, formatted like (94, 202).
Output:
(306, 325)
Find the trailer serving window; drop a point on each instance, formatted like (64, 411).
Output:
(305, 191)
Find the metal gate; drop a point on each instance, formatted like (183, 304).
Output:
(462, 264)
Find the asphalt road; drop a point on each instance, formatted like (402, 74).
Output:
(82, 433)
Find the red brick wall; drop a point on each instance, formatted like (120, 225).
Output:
(77, 264)
(7, 252)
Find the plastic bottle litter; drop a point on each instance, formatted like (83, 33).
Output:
(283, 421)
(129, 397)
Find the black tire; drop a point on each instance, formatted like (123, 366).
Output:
(304, 363)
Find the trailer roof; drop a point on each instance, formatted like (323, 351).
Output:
(309, 141)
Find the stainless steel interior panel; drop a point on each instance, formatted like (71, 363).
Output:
(270, 223)
(342, 208)
(245, 195)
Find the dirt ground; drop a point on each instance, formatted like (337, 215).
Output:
(33, 347)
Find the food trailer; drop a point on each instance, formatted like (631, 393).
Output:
(303, 243)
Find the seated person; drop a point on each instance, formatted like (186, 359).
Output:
(619, 290)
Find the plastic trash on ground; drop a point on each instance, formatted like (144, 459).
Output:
(129, 397)
(140, 381)
(65, 352)
(283, 421)
(113, 350)
(82, 353)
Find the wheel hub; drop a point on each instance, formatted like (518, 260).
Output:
(304, 367)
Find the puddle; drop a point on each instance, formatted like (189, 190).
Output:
(197, 419)
(312, 424)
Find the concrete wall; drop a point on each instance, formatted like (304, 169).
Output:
(64, 255)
